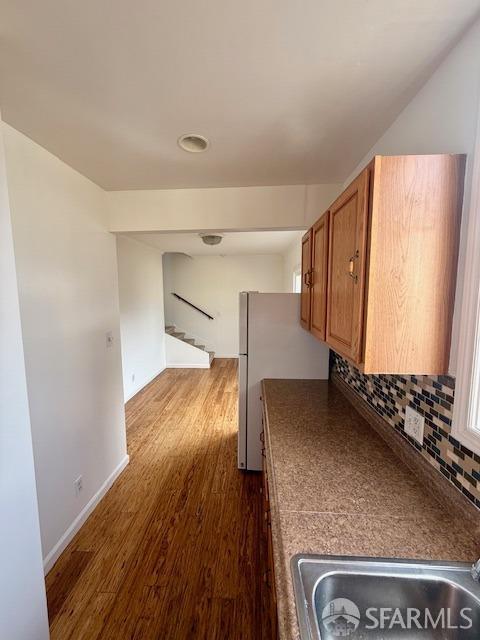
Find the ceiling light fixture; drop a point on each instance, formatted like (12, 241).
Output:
(210, 239)
(193, 143)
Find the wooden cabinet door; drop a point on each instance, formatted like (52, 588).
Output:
(319, 277)
(346, 272)
(306, 268)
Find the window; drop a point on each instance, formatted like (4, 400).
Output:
(466, 410)
(297, 280)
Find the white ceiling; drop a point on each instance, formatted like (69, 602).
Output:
(233, 243)
(287, 92)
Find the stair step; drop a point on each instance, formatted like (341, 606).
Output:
(172, 331)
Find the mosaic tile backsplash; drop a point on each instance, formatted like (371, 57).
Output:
(432, 396)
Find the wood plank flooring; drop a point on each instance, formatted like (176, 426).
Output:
(175, 549)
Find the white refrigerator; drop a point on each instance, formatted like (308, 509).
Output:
(272, 344)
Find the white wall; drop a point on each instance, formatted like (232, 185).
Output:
(230, 208)
(292, 260)
(213, 284)
(67, 278)
(23, 610)
(442, 118)
(142, 326)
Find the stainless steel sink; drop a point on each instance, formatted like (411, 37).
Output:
(385, 599)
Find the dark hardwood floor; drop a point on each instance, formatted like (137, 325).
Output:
(175, 549)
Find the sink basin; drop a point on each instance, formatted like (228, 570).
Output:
(385, 599)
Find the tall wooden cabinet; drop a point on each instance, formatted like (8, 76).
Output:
(392, 260)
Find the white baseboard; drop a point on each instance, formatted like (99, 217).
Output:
(142, 385)
(188, 366)
(226, 356)
(67, 537)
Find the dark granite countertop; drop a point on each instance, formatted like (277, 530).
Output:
(337, 488)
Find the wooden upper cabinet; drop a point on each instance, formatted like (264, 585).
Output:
(392, 263)
(318, 313)
(415, 215)
(305, 303)
(347, 257)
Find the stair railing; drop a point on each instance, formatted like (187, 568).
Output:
(190, 304)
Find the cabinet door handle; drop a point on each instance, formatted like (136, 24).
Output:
(308, 279)
(351, 266)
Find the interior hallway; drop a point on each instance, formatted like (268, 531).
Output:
(175, 548)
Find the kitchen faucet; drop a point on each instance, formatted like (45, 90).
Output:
(476, 571)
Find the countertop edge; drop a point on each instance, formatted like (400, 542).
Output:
(285, 622)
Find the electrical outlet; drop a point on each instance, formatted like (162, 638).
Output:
(414, 424)
(78, 484)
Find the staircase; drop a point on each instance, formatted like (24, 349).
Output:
(171, 330)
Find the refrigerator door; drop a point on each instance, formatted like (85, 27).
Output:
(243, 323)
(242, 410)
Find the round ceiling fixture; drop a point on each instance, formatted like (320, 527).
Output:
(211, 239)
(193, 143)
